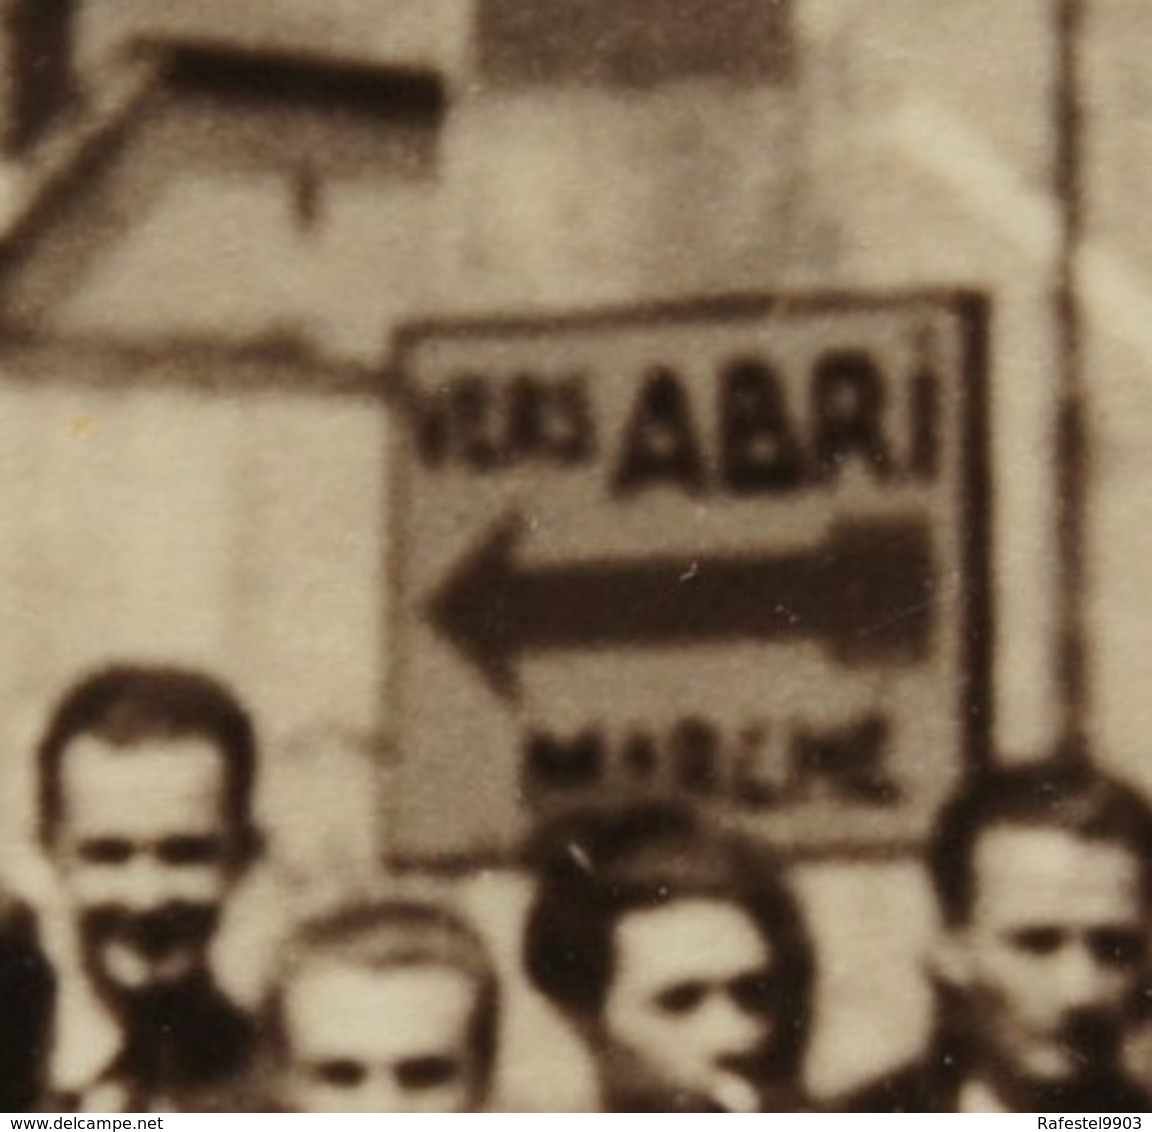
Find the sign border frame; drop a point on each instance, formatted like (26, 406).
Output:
(976, 692)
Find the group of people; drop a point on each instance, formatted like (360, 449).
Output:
(673, 944)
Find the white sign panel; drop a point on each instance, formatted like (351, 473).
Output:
(732, 551)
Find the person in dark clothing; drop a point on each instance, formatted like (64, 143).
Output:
(680, 955)
(26, 990)
(1043, 875)
(146, 781)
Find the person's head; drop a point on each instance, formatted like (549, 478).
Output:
(1044, 880)
(677, 949)
(385, 1007)
(146, 776)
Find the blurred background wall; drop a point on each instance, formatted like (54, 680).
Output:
(205, 267)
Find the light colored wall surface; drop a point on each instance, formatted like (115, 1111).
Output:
(889, 161)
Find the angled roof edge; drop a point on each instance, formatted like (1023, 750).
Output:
(85, 143)
(80, 144)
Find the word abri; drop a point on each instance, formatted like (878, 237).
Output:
(755, 434)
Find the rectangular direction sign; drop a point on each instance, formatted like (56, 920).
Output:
(732, 551)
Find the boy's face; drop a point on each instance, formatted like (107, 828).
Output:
(690, 1008)
(1052, 956)
(147, 858)
(391, 1040)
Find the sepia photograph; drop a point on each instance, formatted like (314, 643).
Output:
(575, 556)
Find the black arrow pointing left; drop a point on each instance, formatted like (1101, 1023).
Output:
(866, 594)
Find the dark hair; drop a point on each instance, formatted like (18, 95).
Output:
(596, 866)
(1060, 794)
(386, 935)
(126, 704)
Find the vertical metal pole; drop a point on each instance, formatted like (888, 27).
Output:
(1071, 440)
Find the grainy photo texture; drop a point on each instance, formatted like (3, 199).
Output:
(575, 555)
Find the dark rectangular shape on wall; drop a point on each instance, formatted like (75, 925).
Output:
(35, 69)
(637, 42)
